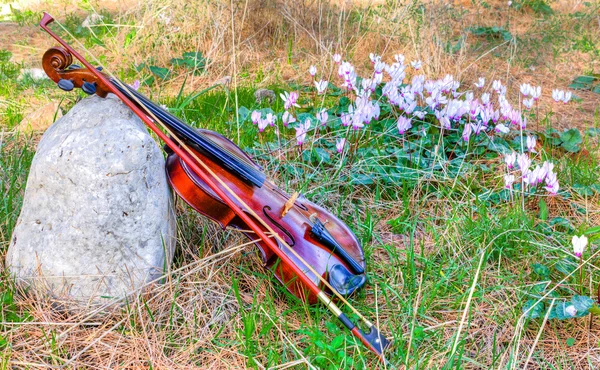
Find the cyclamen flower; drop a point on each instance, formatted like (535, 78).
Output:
(337, 58)
(536, 92)
(404, 124)
(579, 244)
(322, 116)
(321, 86)
(256, 116)
(287, 118)
(508, 181)
(497, 86)
(416, 64)
(135, 85)
(510, 159)
(525, 89)
(485, 98)
(524, 162)
(312, 70)
(480, 83)
(467, 132)
(500, 128)
(301, 131)
(374, 58)
(571, 310)
(339, 145)
(531, 143)
(262, 124)
(271, 118)
(552, 183)
(346, 119)
(289, 99)
(559, 95)
(528, 103)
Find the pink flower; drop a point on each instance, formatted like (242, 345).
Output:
(480, 83)
(579, 244)
(262, 124)
(500, 128)
(301, 131)
(416, 64)
(536, 92)
(524, 162)
(467, 132)
(271, 118)
(256, 116)
(508, 181)
(346, 119)
(337, 58)
(322, 116)
(321, 86)
(287, 118)
(525, 89)
(404, 124)
(339, 145)
(528, 103)
(289, 99)
(552, 183)
(312, 70)
(531, 143)
(135, 85)
(510, 159)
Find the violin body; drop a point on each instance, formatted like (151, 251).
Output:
(295, 226)
(313, 253)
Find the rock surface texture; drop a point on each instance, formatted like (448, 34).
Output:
(97, 221)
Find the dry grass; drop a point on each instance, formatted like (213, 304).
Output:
(194, 319)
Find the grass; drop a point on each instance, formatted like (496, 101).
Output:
(451, 262)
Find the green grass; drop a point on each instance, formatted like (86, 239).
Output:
(428, 226)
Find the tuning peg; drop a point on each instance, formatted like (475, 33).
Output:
(89, 88)
(100, 68)
(66, 85)
(74, 66)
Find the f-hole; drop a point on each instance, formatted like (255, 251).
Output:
(291, 241)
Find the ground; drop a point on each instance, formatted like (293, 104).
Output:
(454, 260)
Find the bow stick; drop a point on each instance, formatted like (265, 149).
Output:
(372, 339)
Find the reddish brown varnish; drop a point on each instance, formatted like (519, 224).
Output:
(267, 201)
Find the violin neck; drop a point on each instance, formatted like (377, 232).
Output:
(238, 166)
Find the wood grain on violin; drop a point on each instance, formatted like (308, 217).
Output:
(308, 249)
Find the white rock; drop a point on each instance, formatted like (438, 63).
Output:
(97, 221)
(35, 74)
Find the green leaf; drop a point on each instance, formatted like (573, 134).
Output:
(582, 304)
(583, 83)
(162, 73)
(541, 270)
(592, 230)
(571, 140)
(243, 113)
(543, 210)
(533, 310)
(560, 311)
(595, 310)
(321, 155)
(570, 342)
(565, 266)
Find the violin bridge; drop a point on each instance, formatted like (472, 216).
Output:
(289, 204)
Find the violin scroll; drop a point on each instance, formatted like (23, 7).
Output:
(58, 65)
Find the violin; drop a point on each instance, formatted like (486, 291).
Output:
(309, 250)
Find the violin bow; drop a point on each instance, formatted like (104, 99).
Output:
(372, 339)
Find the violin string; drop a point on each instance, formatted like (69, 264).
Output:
(326, 300)
(169, 115)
